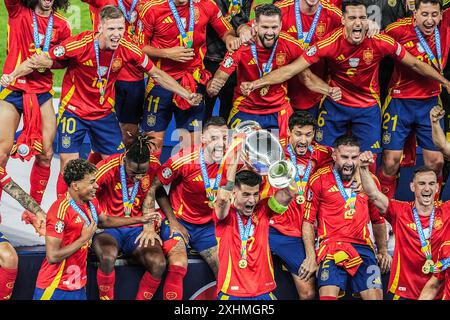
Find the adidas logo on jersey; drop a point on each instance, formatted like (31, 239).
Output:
(88, 63)
(167, 20)
(333, 189)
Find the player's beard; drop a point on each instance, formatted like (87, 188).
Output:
(262, 39)
(346, 172)
(301, 148)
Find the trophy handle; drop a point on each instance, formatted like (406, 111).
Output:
(281, 174)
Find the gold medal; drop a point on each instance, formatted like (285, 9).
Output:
(41, 70)
(300, 199)
(428, 266)
(211, 204)
(264, 91)
(243, 264)
(349, 213)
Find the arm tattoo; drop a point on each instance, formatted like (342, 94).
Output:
(25, 200)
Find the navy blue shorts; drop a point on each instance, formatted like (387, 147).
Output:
(125, 237)
(159, 107)
(290, 249)
(335, 120)
(401, 116)
(104, 133)
(129, 101)
(265, 296)
(61, 294)
(201, 236)
(16, 97)
(3, 238)
(368, 275)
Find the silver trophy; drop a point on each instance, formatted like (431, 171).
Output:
(263, 152)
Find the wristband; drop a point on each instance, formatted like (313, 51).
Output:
(275, 206)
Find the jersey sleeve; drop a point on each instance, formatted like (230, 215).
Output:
(390, 47)
(312, 199)
(13, 7)
(392, 211)
(4, 178)
(54, 225)
(68, 49)
(217, 20)
(231, 61)
(153, 167)
(137, 56)
(319, 51)
(147, 19)
(168, 171)
(374, 213)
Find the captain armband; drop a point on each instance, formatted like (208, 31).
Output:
(275, 206)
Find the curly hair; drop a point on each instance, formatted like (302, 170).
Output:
(58, 5)
(77, 169)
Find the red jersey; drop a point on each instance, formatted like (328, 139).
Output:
(275, 100)
(21, 45)
(407, 279)
(444, 253)
(325, 202)
(64, 223)
(406, 83)
(354, 68)
(80, 89)
(187, 189)
(4, 178)
(110, 187)
(158, 28)
(329, 19)
(290, 223)
(129, 72)
(258, 277)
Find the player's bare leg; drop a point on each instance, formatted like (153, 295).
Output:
(372, 294)
(64, 158)
(131, 128)
(388, 173)
(328, 292)
(212, 259)
(177, 269)
(306, 289)
(8, 270)
(154, 262)
(157, 140)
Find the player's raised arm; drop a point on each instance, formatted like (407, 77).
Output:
(316, 84)
(438, 135)
(369, 186)
(425, 70)
(277, 76)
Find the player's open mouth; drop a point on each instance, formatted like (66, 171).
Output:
(301, 148)
(347, 170)
(429, 28)
(249, 208)
(357, 33)
(426, 197)
(47, 4)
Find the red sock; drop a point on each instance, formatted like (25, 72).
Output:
(38, 181)
(7, 280)
(61, 186)
(173, 286)
(388, 184)
(328, 298)
(147, 287)
(106, 284)
(94, 157)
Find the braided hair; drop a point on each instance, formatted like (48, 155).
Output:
(139, 150)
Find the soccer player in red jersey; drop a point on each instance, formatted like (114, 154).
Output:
(242, 230)
(71, 223)
(419, 229)
(33, 26)
(308, 21)
(133, 171)
(353, 59)
(285, 236)
(173, 34)
(8, 255)
(441, 277)
(343, 214)
(194, 177)
(411, 97)
(88, 93)
(130, 85)
(272, 49)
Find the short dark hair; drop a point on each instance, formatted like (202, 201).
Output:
(346, 140)
(423, 169)
(77, 169)
(418, 2)
(268, 10)
(139, 151)
(301, 118)
(110, 12)
(248, 178)
(352, 3)
(214, 121)
(58, 5)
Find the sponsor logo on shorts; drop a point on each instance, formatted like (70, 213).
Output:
(65, 141)
(324, 275)
(171, 295)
